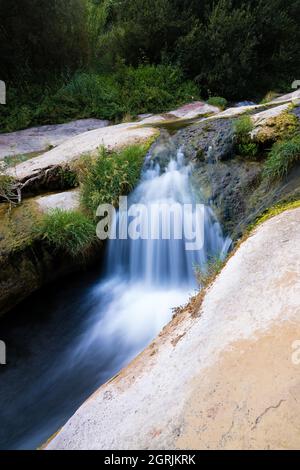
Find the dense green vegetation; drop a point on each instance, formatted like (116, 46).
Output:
(218, 101)
(109, 175)
(67, 59)
(71, 231)
(282, 157)
(243, 127)
(126, 92)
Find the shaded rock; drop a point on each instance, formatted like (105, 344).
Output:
(207, 141)
(24, 271)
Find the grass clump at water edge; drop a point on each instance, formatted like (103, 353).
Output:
(71, 231)
(109, 175)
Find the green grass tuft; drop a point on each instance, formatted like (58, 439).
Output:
(70, 231)
(218, 101)
(282, 157)
(243, 126)
(108, 176)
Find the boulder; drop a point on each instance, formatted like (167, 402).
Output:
(66, 200)
(41, 169)
(224, 374)
(39, 139)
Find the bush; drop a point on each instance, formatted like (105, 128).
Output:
(92, 95)
(283, 156)
(68, 230)
(243, 126)
(150, 88)
(245, 145)
(130, 91)
(248, 149)
(109, 175)
(218, 102)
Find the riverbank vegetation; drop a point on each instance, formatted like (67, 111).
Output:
(109, 175)
(109, 59)
(70, 231)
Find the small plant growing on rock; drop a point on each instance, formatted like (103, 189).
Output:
(271, 95)
(245, 145)
(70, 231)
(109, 175)
(243, 127)
(218, 101)
(282, 157)
(207, 274)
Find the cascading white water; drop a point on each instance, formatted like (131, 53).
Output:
(85, 332)
(147, 278)
(164, 261)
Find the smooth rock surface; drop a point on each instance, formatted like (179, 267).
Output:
(38, 139)
(111, 137)
(67, 200)
(186, 112)
(224, 376)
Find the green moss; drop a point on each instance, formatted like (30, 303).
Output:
(278, 128)
(273, 212)
(13, 160)
(17, 226)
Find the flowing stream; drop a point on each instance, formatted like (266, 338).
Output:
(71, 337)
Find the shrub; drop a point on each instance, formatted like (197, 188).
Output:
(282, 157)
(68, 230)
(20, 118)
(245, 145)
(150, 88)
(93, 94)
(129, 91)
(243, 126)
(248, 149)
(109, 175)
(218, 101)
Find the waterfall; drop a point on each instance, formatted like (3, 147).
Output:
(160, 261)
(145, 279)
(85, 331)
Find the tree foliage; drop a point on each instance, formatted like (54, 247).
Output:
(231, 48)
